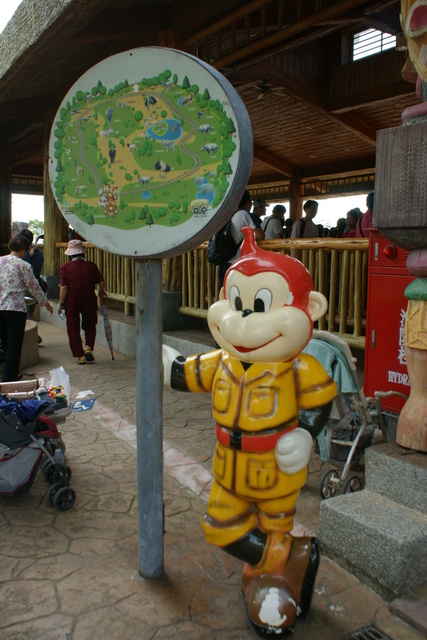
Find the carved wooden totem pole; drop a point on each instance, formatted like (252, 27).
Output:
(401, 215)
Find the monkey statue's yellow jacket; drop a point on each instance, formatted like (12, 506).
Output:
(253, 409)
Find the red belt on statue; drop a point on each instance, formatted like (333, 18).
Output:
(255, 442)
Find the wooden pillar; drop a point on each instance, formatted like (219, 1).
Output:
(5, 209)
(295, 199)
(55, 225)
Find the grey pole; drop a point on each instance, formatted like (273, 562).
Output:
(149, 436)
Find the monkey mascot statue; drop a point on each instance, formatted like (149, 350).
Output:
(268, 403)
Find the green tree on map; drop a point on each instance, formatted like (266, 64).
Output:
(230, 126)
(186, 83)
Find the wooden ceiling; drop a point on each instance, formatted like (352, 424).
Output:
(314, 112)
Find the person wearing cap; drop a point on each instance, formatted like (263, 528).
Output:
(273, 225)
(78, 279)
(16, 279)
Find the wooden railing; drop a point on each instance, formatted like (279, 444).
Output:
(337, 267)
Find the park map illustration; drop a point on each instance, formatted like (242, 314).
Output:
(157, 151)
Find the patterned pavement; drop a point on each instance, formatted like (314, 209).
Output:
(74, 575)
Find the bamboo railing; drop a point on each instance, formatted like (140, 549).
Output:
(337, 267)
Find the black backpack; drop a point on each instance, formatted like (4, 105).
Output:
(221, 247)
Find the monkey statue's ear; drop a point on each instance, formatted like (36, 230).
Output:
(221, 294)
(317, 305)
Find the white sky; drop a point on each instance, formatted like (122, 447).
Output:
(25, 208)
(7, 9)
(331, 209)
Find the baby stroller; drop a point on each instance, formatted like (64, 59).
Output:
(29, 440)
(343, 441)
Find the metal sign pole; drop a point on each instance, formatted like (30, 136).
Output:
(149, 428)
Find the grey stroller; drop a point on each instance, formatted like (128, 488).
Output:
(29, 440)
(351, 428)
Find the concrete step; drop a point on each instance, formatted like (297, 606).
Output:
(381, 541)
(399, 474)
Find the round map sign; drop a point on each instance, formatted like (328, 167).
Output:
(149, 153)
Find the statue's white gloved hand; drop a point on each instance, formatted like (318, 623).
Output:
(293, 451)
(169, 354)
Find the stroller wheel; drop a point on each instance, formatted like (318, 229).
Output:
(62, 475)
(64, 499)
(48, 471)
(53, 490)
(329, 484)
(352, 484)
(44, 463)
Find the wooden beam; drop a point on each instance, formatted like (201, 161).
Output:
(123, 24)
(393, 91)
(22, 108)
(314, 102)
(278, 164)
(15, 154)
(310, 22)
(339, 169)
(250, 74)
(358, 126)
(227, 21)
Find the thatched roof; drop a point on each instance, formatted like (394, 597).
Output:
(314, 113)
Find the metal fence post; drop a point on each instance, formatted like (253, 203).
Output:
(149, 435)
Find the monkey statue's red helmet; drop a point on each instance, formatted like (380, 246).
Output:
(255, 260)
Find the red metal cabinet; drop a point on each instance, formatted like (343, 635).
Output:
(385, 363)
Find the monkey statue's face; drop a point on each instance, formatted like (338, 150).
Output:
(257, 322)
(268, 307)
(414, 24)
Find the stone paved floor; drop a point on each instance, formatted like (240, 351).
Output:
(74, 575)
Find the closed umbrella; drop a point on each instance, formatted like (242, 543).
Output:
(107, 328)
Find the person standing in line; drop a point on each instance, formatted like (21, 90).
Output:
(16, 278)
(78, 279)
(305, 228)
(240, 219)
(352, 218)
(273, 225)
(341, 226)
(287, 227)
(258, 210)
(365, 221)
(35, 258)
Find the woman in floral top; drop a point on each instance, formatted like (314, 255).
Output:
(16, 278)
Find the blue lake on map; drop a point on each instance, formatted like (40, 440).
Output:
(206, 191)
(173, 131)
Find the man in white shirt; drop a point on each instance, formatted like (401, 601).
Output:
(239, 220)
(273, 225)
(305, 228)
